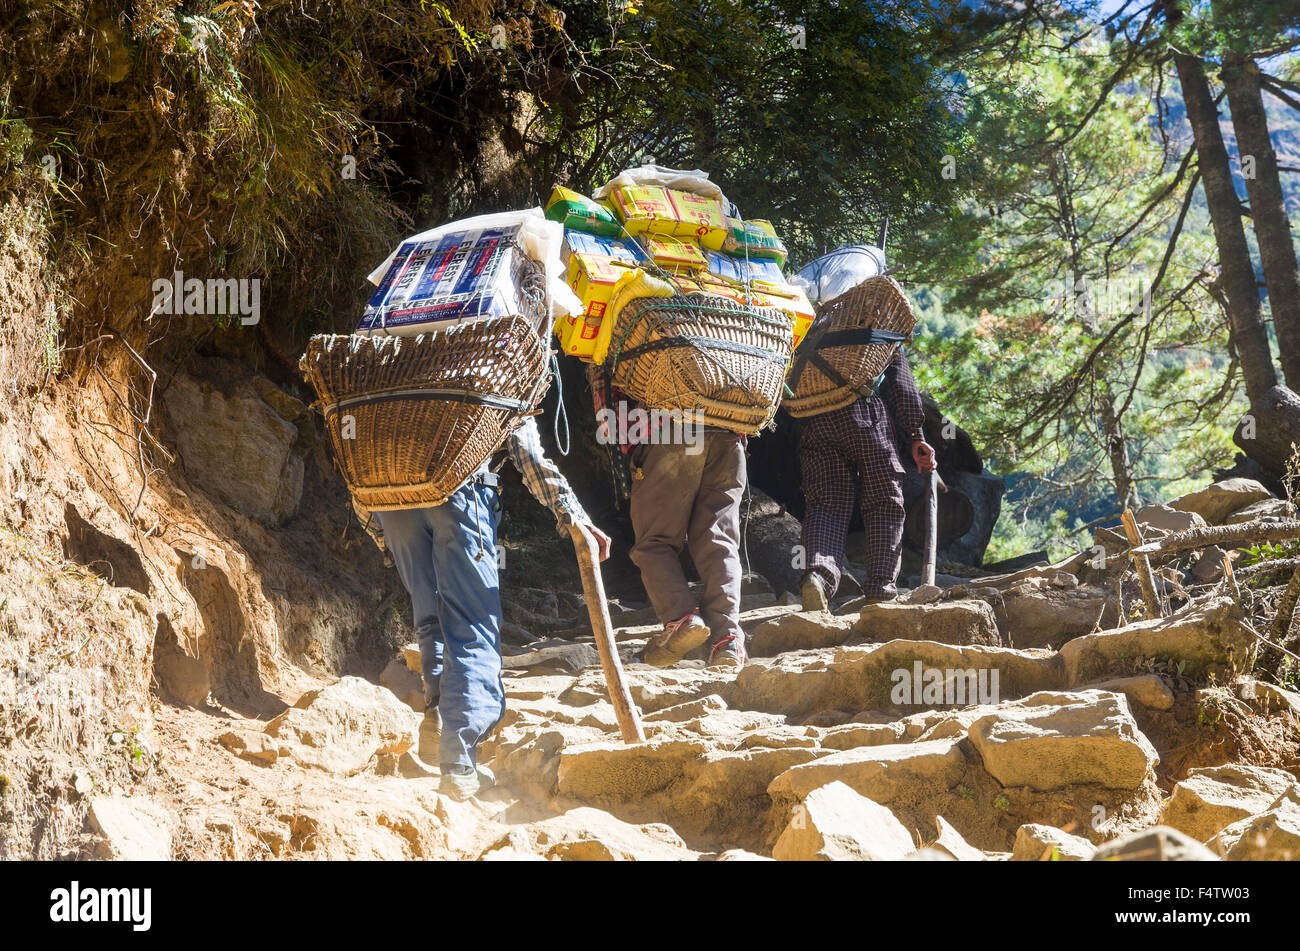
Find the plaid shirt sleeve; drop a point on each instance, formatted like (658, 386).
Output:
(906, 398)
(542, 478)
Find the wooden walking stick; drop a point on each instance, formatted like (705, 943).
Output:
(932, 486)
(629, 721)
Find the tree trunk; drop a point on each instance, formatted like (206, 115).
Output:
(1117, 449)
(1267, 208)
(1238, 274)
(1270, 432)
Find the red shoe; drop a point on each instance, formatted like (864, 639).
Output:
(728, 652)
(676, 640)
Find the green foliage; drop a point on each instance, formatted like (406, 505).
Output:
(823, 118)
(1057, 363)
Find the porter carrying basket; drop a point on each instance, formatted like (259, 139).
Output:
(721, 361)
(853, 339)
(411, 418)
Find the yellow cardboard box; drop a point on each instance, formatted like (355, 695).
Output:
(792, 301)
(594, 278)
(700, 218)
(646, 208)
(673, 253)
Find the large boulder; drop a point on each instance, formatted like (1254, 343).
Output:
(945, 622)
(652, 688)
(1216, 502)
(1042, 843)
(131, 828)
(1157, 844)
(1168, 518)
(1146, 690)
(692, 783)
(236, 440)
(834, 822)
(342, 727)
(1272, 836)
(882, 773)
(554, 655)
(590, 835)
(799, 631)
(1202, 639)
(1213, 797)
(1054, 740)
(1047, 613)
(1266, 508)
(894, 676)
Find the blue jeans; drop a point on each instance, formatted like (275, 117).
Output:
(447, 558)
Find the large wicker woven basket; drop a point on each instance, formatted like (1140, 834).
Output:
(411, 418)
(720, 360)
(850, 344)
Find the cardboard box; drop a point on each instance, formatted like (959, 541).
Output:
(755, 235)
(457, 278)
(700, 218)
(762, 271)
(646, 208)
(577, 211)
(673, 254)
(582, 243)
(577, 335)
(594, 278)
(793, 302)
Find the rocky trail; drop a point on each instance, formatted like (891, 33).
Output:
(1022, 717)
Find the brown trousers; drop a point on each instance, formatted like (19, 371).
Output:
(692, 501)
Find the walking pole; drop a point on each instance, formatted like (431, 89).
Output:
(629, 721)
(933, 485)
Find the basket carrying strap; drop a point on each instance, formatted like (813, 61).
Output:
(858, 336)
(456, 396)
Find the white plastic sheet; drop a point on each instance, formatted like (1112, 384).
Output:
(843, 269)
(695, 181)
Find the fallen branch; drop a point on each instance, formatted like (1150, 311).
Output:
(1143, 565)
(1256, 531)
(1269, 567)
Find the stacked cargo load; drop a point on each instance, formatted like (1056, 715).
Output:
(451, 352)
(686, 305)
(638, 231)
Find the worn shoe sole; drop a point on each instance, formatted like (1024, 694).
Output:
(461, 788)
(684, 640)
(430, 735)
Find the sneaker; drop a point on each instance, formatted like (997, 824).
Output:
(430, 734)
(676, 640)
(728, 652)
(463, 782)
(813, 592)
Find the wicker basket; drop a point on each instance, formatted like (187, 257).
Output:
(718, 359)
(850, 344)
(411, 418)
